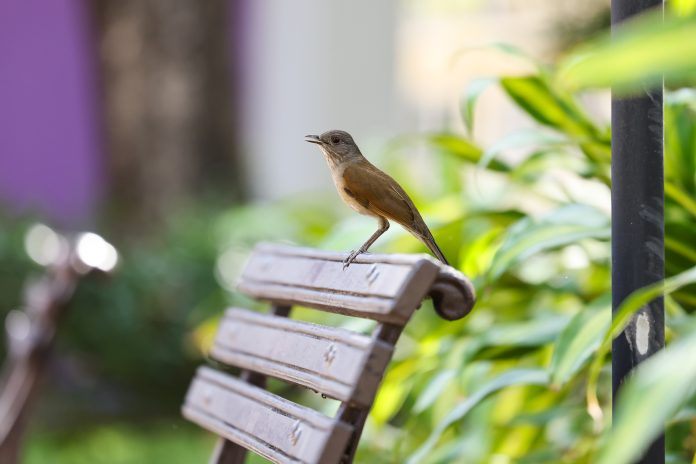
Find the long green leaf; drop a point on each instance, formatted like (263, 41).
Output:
(522, 139)
(506, 340)
(564, 226)
(639, 54)
(680, 197)
(579, 339)
(632, 304)
(507, 379)
(557, 109)
(473, 92)
(464, 149)
(680, 248)
(541, 162)
(649, 398)
(549, 107)
(680, 139)
(433, 390)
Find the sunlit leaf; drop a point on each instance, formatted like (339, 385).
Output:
(473, 92)
(581, 337)
(502, 339)
(507, 379)
(524, 138)
(541, 162)
(554, 108)
(684, 249)
(564, 226)
(477, 255)
(680, 139)
(683, 7)
(649, 398)
(204, 334)
(680, 197)
(393, 392)
(462, 148)
(434, 389)
(548, 106)
(636, 56)
(621, 317)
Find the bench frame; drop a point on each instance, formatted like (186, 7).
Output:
(344, 365)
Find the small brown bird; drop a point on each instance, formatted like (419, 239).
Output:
(370, 191)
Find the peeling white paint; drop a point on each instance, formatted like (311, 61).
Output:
(642, 333)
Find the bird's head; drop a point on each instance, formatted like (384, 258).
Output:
(337, 145)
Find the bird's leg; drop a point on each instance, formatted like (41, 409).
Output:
(383, 226)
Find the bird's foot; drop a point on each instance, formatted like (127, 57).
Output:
(351, 257)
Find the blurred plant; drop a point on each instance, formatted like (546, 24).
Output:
(127, 347)
(645, 50)
(512, 379)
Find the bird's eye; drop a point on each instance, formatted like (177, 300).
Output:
(335, 139)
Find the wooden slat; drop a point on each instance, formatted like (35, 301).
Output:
(337, 362)
(273, 427)
(387, 288)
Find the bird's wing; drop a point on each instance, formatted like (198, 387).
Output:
(378, 192)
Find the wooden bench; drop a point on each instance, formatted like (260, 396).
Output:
(338, 363)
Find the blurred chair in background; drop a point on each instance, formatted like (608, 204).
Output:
(31, 330)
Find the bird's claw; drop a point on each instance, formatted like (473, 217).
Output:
(351, 257)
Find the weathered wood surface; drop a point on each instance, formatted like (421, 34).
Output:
(386, 288)
(336, 362)
(273, 427)
(229, 452)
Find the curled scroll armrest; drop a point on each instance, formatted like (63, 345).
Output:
(453, 294)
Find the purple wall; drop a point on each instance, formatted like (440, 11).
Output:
(50, 153)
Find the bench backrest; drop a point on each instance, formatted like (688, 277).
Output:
(335, 362)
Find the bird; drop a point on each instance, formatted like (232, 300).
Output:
(370, 191)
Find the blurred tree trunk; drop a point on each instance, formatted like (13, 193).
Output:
(168, 108)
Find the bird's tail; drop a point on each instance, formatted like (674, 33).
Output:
(429, 241)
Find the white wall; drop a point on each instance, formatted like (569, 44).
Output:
(313, 65)
(379, 68)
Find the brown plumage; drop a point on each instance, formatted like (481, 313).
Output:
(370, 191)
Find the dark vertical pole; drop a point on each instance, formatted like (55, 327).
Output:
(637, 202)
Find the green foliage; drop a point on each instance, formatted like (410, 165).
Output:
(170, 442)
(509, 378)
(128, 346)
(579, 339)
(659, 388)
(654, 395)
(474, 91)
(526, 375)
(563, 226)
(640, 54)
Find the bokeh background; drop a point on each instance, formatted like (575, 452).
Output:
(174, 129)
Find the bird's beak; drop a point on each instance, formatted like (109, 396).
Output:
(313, 139)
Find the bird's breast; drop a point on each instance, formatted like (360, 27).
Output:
(345, 193)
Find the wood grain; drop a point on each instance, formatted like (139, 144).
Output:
(336, 362)
(379, 287)
(273, 427)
